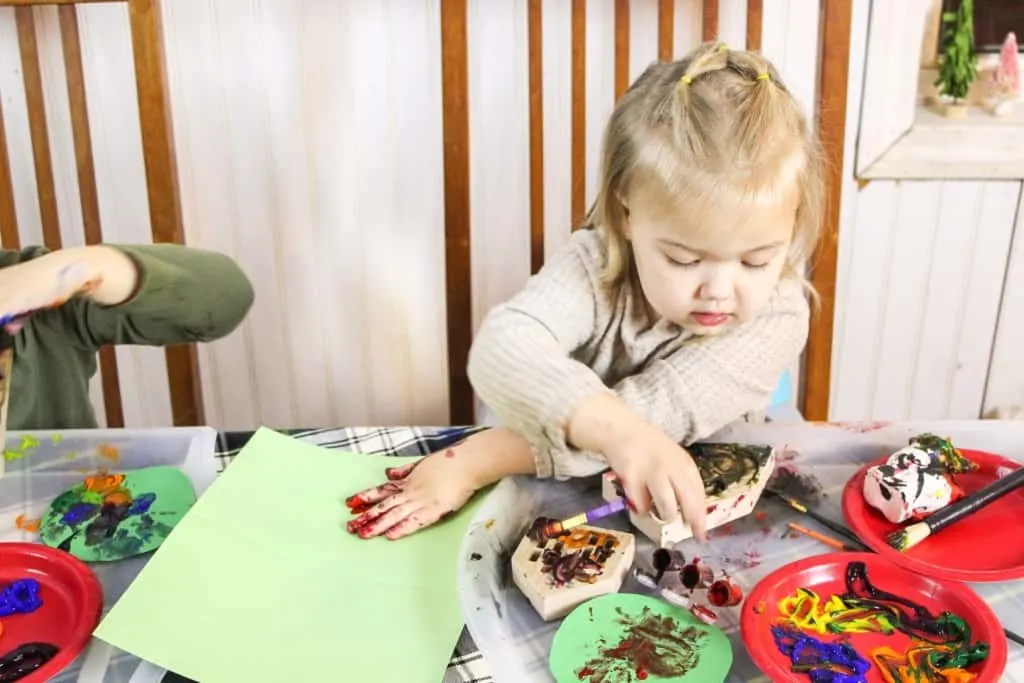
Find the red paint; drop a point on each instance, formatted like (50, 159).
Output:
(449, 453)
(725, 593)
(760, 516)
(585, 673)
(72, 603)
(357, 504)
(641, 674)
(712, 508)
(740, 499)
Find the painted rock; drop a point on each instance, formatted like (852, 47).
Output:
(111, 517)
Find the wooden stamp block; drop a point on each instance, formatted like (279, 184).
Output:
(734, 475)
(564, 572)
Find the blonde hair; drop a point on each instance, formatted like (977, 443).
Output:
(719, 125)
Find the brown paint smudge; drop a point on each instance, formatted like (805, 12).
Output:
(653, 646)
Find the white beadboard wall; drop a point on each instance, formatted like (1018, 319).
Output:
(920, 291)
(309, 148)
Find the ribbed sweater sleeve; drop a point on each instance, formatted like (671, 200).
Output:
(522, 361)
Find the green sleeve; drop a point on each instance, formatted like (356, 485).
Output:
(184, 295)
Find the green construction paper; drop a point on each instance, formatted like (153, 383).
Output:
(262, 581)
(582, 651)
(114, 516)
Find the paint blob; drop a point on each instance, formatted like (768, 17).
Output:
(111, 517)
(20, 597)
(23, 660)
(940, 648)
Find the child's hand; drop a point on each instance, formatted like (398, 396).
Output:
(652, 467)
(41, 283)
(416, 495)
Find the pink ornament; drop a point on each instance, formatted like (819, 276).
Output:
(1008, 71)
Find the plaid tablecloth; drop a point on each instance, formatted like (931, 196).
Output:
(840, 446)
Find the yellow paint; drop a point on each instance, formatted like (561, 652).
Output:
(804, 610)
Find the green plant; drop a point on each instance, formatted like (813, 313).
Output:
(959, 62)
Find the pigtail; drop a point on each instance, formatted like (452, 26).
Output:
(761, 110)
(691, 116)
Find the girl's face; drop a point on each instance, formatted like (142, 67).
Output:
(705, 268)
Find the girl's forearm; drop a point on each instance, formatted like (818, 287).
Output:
(494, 454)
(107, 276)
(603, 424)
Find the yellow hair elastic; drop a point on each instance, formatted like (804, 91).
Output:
(723, 47)
(763, 76)
(686, 80)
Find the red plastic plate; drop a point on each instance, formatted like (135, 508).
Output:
(982, 547)
(72, 604)
(826, 574)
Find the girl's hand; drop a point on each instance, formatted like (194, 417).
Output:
(653, 468)
(41, 283)
(415, 496)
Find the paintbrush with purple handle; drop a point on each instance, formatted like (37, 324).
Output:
(545, 528)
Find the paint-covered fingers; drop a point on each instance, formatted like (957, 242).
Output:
(369, 516)
(409, 525)
(364, 500)
(383, 523)
(400, 472)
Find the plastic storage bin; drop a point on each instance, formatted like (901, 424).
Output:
(40, 465)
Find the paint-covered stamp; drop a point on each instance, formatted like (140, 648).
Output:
(734, 476)
(557, 574)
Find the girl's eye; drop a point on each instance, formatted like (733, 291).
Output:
(682, 264)
(756, 266)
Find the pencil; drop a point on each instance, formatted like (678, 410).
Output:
(855, 542)
(827, 540)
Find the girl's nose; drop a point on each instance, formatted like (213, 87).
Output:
(717, 287)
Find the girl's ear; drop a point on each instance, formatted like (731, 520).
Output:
(626, 225)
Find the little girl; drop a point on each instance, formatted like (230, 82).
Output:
(673, 314)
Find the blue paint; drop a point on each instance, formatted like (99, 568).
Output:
(20, 597)
(822, 662)
(79, 512)
(142, 504)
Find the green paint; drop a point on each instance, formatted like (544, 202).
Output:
(85, 515)
(623, 637)
(28, 445)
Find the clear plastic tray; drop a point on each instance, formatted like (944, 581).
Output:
(57, 460)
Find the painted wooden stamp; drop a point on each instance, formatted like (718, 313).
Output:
(734, 475)
(558, 574)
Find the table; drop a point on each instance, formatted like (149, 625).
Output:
(833, 450)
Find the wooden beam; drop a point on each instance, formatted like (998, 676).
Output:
(755, 24)
(162, 186)
(709, 20)
(535, 38)
(458, 272)
(666, 30)
(33, 3)
(833, 70)
(621, 47)
(38, 129)
(9, 238)
(89, 198)
(578, 186)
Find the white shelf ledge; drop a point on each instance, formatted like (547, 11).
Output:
(979, 146)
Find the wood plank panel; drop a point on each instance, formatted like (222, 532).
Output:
(535, 40)
(9, 238)
(666, 29)
(33, 80)
(78, 104)
(558, 125)
(579, 110)
(834, 64)
(1005, 385)
(162, 186)
(755, 19)
(709, 20)
(455, 84)
(621, 47)
(28, 3)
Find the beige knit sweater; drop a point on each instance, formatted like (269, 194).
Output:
(563, 338)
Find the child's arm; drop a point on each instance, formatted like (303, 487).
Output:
(153, 295)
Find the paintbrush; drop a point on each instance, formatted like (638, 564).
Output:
(856, 543)
(545, 528)
(827, 540)
(905, 539)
